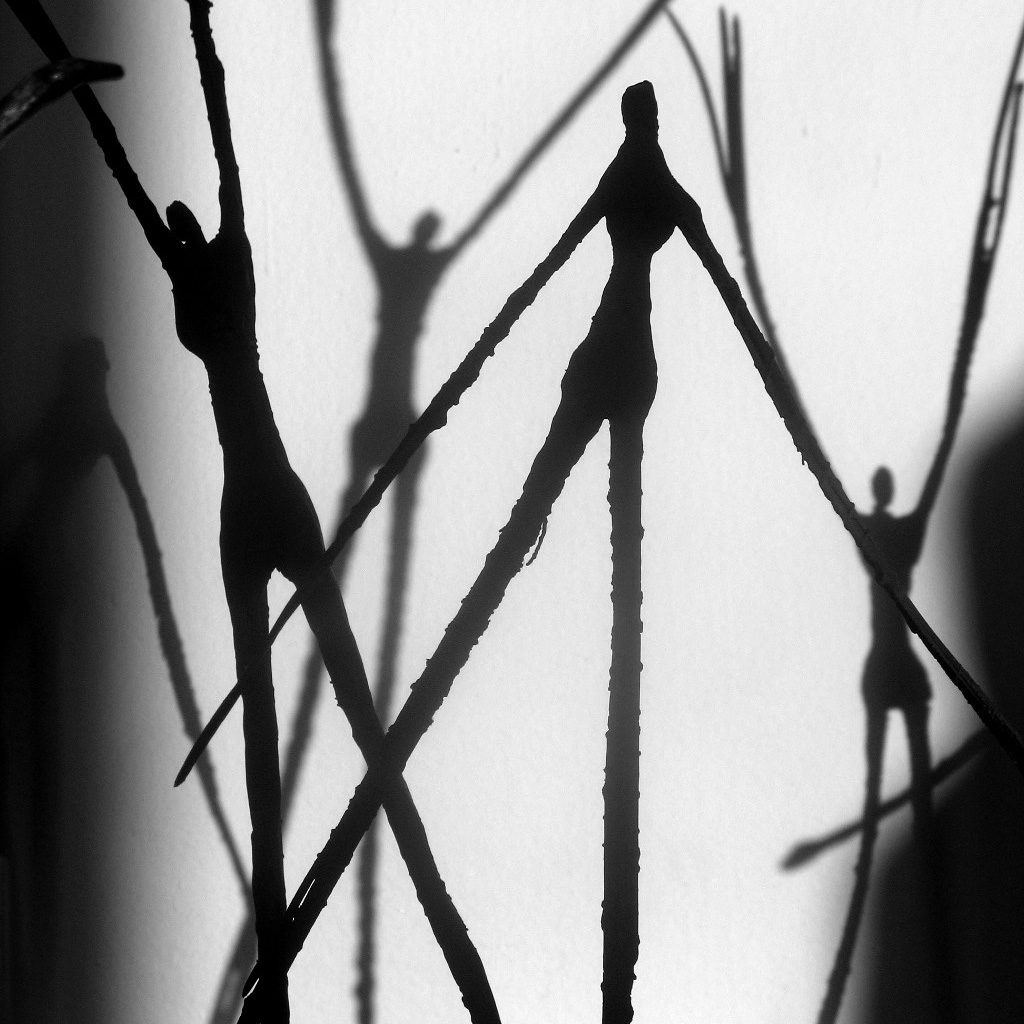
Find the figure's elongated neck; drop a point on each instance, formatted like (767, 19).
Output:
(241, 408)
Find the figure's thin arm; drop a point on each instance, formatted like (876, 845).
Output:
(433, 418)
(557, 125)
(38, 25)
(690, 222)
(211, 76)
(987, 235)
(330, 80)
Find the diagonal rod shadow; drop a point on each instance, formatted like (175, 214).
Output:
(808, 850)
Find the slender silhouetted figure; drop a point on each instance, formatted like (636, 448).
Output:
(894, 679)
(268, 522)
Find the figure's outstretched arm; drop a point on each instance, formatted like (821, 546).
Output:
(433, 418)
(211, 76)
(38, 25)
(987, 235)
(558, 124)
(691, 224)
(330, 81)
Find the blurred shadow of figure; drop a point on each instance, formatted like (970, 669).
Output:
(895, 680)
(980, 822)
(39, 479)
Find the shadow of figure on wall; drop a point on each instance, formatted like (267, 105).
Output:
(893, 679)
(39, 479)
(980, 818)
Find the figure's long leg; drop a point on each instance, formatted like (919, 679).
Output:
(874, 748)
(570, 433)
(926, 840)
(398, 574)
(242, 957)
(619, 919)
(247, 602)
(313, 674)
(326, 614)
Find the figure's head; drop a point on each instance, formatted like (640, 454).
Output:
(640, 109)
(425, 228)
(882, 486)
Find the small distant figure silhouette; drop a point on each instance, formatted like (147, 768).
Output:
(895, 680)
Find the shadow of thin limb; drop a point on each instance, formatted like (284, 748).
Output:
(874, 748)
(731, 154)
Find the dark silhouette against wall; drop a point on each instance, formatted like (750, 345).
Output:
(893, 678)
(612, 375)
(267, 521)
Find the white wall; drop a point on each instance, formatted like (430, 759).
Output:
(867, 139)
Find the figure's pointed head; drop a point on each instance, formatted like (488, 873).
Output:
(882, 487)
(640, 110)
(425, 228)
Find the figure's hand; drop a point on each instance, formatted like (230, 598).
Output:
(213, 286)
(184, 226)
